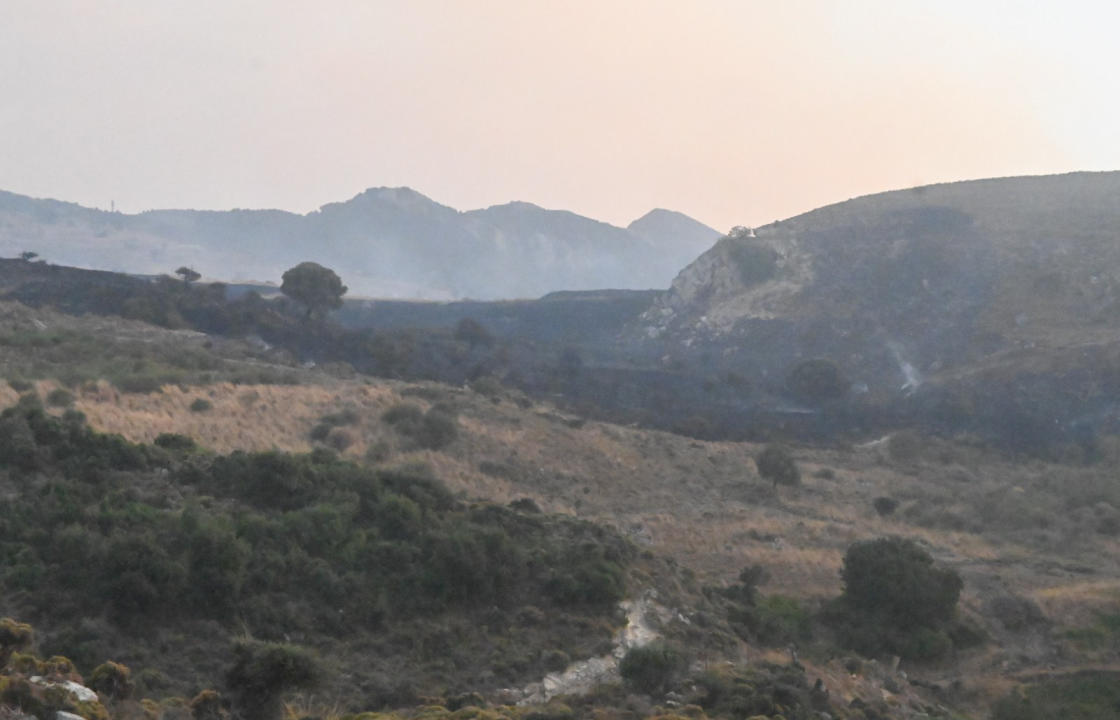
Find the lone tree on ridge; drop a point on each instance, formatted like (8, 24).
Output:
(189, 275)
(315, 287)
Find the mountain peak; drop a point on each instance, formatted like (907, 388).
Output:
(670, 229)
(402, 195)
(660, 214)
(661, 218)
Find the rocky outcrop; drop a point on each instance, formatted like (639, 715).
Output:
(643, 618)
(726, 285)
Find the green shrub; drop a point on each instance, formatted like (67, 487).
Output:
(175, 441)
(403, 416)
(378, 451)
(651, 669)
(1088, 695)
(58, 666)
(525, 505)
(19, 385)
(555, 660)
(554, 710)
(14, 637)
(895, 600)
(349, 416)
(111, 680)
(433, 430)
(207, 705)
(17, 441)
(201, 405)
(587, 581)
(926, 644)
(896, 579)
(340, 438)
(884, 505)
(60, 397)
(216, 562)
(780, 620)
(777, 465)
(438, 430)
(141, 384)
(755, 262)
(320, 431)
(262, 672)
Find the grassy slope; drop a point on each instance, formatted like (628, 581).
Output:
(1011, 529)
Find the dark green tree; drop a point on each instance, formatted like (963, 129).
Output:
(896, 580)
(315, 287)
(777, 465)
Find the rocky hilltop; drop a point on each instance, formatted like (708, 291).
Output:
(969, 287)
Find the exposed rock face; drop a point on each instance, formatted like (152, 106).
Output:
(712, 294)
(79, 692)
(643, 617)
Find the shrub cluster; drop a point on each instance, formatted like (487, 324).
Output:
(1089, 695)
(770, 620)
(283, 544)
(651, 669)
(332, 421)
(434, 429)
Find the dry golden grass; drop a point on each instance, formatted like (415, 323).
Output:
(1078, 604)
(243, 417)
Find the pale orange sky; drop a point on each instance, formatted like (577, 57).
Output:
(732, 112)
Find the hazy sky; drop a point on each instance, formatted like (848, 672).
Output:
(733, 112)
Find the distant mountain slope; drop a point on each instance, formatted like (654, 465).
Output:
(392, 242)
(674, 234)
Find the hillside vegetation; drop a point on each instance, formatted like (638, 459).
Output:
(458, 515)
(1034, 544)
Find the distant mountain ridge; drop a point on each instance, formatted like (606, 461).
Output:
(388, 242)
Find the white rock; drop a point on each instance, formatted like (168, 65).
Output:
(80, 692)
